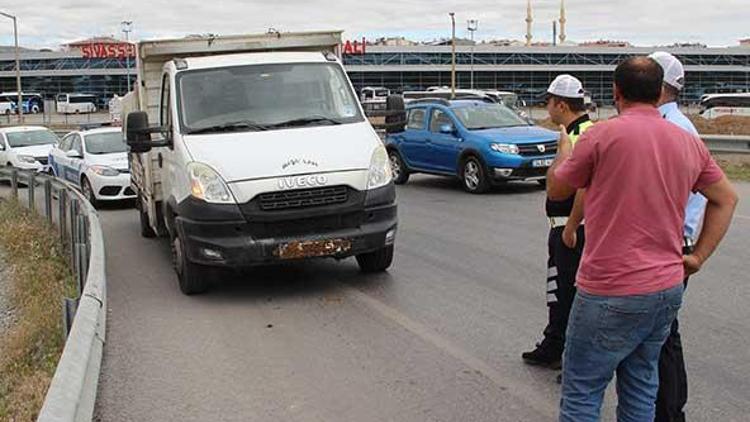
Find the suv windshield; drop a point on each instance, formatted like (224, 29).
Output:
(105, 143)
(488, 116)
(261, 97)
(31, 137)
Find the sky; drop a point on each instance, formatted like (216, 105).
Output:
(642, 22)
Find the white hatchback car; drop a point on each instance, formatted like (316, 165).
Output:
(26, 147)
(97, 161)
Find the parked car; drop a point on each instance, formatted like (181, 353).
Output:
(481, 143)
(26, 147)
(95, 160)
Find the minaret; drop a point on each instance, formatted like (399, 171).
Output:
(562, 22)
(529, 20)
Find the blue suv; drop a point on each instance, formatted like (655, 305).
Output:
(480, 143)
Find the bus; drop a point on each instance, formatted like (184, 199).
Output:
(76, 103)
(716, 105)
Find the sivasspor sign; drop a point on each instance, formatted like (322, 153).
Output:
(106, 51)
(355, 47)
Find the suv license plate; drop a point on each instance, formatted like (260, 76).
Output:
(542, 163)
(313, 248)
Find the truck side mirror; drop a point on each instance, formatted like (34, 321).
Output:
(395, 118)
(137, 132)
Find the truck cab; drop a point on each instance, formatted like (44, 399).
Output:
(259, 158)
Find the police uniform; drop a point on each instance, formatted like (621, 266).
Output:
(673, 388)
(562, 262)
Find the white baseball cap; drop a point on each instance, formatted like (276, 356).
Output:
(674, 73)
(566, 86)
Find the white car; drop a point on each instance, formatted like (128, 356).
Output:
(26, 147)
(97, 161)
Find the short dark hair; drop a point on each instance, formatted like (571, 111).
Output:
(639, 79)
(576, 105)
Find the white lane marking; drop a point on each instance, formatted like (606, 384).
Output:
(744, 217)
(513, 387)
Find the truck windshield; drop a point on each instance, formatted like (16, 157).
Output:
(488, 116)
(105, 143)
(31, 137)
(262, 97)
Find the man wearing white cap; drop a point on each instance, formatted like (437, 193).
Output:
(566, 107)
(672, 394)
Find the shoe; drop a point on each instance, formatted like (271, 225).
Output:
(544, 355)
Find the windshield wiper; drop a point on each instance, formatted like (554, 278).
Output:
(307, 120)
(228, 127)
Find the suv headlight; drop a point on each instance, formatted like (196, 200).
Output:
(505, 148)
(380, 169)
(26, 159)
(105, 171)
(207, 185)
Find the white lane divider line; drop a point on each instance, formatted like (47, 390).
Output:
(744, 217)
(514, 387)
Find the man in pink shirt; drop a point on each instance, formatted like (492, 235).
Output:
(638, 170)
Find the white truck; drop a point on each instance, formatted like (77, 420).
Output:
(260, 153)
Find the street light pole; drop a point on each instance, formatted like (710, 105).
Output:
(126, 28)
(472, 26)
(19, 106)
(453, 55)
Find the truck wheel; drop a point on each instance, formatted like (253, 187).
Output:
(146, 230)
(88, 192)
(377, 261)
(398, 168)
(193, 278)
(474, 176)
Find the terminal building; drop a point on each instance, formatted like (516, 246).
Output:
(101, 67)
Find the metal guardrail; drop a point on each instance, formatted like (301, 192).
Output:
(72, 392)
(733, 144)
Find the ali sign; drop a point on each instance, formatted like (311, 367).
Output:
(107, 50)
(354, 47)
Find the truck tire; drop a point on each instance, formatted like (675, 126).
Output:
(193, 278)
(474, 176)
(398, 167)
(146, 230)
(377, 261)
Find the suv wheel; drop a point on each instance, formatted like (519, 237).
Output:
(398, 168)
(474, 176)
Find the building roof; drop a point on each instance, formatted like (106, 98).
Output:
(95, 40)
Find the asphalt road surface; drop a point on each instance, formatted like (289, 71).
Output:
(437, 338)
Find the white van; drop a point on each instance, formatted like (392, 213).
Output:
(7, 104)
(262, 157)
(75, 103)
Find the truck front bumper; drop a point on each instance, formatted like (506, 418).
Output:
(242, 243)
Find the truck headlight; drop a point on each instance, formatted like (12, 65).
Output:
(505, 148)
(105, 171)
(26, 159)
(207, 185)
(380, 169)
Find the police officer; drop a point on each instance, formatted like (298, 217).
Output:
(566, 107)
(672, 394)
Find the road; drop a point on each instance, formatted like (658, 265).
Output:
(437, 338)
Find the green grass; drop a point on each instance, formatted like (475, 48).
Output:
(39, 279)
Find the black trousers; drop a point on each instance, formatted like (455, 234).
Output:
(562, 266)
(673, 388)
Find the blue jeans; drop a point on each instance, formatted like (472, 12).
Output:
(622, 335)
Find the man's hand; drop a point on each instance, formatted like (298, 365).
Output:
(569, 236)
(692, 264)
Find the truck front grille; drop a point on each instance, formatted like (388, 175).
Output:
(303, 198)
